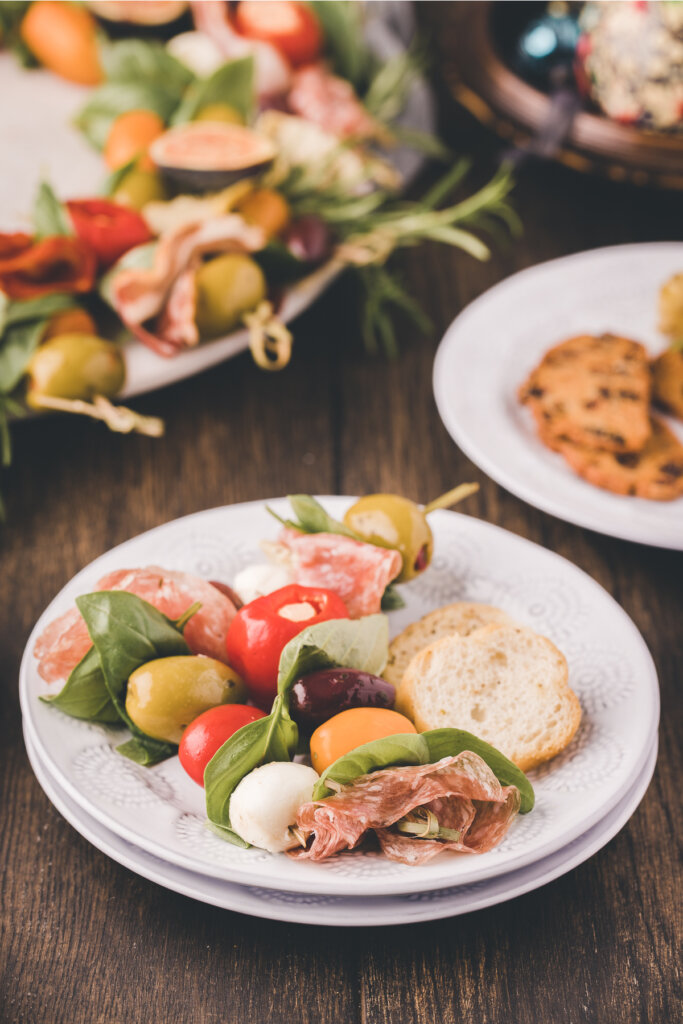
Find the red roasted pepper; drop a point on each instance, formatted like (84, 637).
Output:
(262, 628)
(57, 264)
(108, 228)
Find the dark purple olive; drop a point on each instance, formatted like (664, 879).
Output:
(320, 695)
(308, 238)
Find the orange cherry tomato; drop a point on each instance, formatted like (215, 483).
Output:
(289, 26)
(207, 734)
(350, 729)
(62, 36)
(130, 135)
(267, 209)
(69, 321)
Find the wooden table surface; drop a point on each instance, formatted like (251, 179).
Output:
(85, 940)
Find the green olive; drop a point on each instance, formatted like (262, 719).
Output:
(221, 112)
(75, 366)
(227, 287)
(391, 521)
(140, 187)
(165, 695)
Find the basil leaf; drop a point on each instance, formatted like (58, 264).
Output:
(49, 215)
(274, 738)
(146, 751)
(85, 694)
(449, 742)
(423, 748)
(37, 309)
(314, 519)
(114, 98)
(347, 643)
(391, 599)
(115, 178)
(18, 344)
(280, 265)
(137, 60)
(232, 83)
(128, 632)
(389, 752)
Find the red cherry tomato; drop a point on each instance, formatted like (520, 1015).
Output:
(290, 27)
(208, 733)
(108, 228)
(262, 628)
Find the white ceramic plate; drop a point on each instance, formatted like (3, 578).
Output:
(301, 908)
(161, 809)
(40, 141)
(489, 349)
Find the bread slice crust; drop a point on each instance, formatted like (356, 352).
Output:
(504, 683)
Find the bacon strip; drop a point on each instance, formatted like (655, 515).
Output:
(60, 264)
(358, 572)
(64, 642)
(462, 791)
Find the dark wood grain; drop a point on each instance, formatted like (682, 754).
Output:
(83, 940)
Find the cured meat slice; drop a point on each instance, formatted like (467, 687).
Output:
(319, 96)
(461, 791)
(64, 642)
(358, 572)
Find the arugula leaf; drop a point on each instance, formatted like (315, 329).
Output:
(106, 102)
(18, 344)
(423, 748)
(85, 694)
(274, 738)
(232, 83)
(128, 632)
(343, 29)
(49, 215)
(348, 643)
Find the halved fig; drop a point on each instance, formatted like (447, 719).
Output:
(207, 155)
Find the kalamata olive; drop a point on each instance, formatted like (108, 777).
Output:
(308, 238)
(320, 695)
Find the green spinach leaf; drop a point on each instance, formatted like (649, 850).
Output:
(49, 214)
(274, 738)
(391, 599)
(128, 632)
(85, 694)
(232, 83)
(114, 98)
(343, 29)
(423, 748)
(138, 60)
(349, 643)
(17, 345)
(389, 752)
(449, 742)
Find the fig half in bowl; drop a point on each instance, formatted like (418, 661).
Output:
(210, 155)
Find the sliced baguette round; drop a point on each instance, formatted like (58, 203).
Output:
(506, 684)
(461, 618)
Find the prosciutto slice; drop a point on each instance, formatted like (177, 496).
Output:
(331, 102)
(358, 572)
(64, 642)
(461, 791)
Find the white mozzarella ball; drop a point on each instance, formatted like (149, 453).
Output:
(263, 806)
(258, 580)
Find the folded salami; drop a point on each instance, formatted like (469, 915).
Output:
(414, 812)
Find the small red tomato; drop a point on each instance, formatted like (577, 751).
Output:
(208, 733)
(289, 26)
(108, 228)
(261, 629)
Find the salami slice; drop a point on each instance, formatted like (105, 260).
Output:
(462, 792)
(329, 101)
(358, 572)
(64, 642)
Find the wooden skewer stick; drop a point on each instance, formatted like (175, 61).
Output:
(117, 417)
(452, 497)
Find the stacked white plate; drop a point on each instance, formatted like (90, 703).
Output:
(152, 820)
